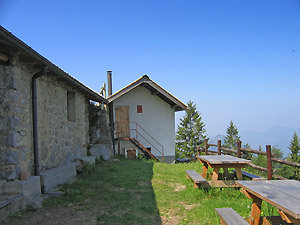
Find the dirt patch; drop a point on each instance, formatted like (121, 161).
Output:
(176, 186)
(160, 182)
(179, 187)
(171, 218)
(188, 207)
(54, 216)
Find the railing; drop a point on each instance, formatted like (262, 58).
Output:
(240, 151)
(140, 132)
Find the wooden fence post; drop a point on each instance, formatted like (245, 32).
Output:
(205, 146)
(198, 148)
(238, 148)
(269, 160)
(219, 147)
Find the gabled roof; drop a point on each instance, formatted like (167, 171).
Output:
(154, 88)
(11, 45)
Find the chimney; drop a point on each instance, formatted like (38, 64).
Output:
(109, 83)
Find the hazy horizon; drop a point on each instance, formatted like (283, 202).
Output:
(237, 60)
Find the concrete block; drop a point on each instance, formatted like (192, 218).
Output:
(30, 187)
(56, 176)
(89, 159)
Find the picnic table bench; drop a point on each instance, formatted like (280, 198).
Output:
(196, 177)
(230, 217)
(251, 176)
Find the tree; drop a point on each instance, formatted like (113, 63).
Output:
(232, 136)
(247, 155)
(190, 133)
(294, 155)
(294, 147)
(261, 160)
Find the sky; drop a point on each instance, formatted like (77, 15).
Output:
(236, 60)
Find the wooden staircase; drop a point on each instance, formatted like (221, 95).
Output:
(141, 147)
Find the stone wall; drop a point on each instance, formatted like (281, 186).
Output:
(60, 140)
(99, 132)
(15, 122)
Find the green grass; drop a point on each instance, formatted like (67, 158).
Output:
(143, 192)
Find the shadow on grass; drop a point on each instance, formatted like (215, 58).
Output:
(117, 193)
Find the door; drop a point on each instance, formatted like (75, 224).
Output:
(122, 121)
(131, 154)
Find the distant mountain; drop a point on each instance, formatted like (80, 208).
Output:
(214, 140)
(280, 136)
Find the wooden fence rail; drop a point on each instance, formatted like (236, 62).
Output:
(240, 151)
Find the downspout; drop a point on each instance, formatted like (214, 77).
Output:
(35, 120)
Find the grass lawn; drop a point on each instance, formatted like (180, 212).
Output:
(147, 192)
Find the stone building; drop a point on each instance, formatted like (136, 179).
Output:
(44, 119)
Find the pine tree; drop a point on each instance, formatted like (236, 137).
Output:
(232, 136)
(295, 150)
(247, 155)
(190, 133)
(261, 160)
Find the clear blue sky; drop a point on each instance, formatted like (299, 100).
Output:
(237, 60)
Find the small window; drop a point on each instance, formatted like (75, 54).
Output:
(71, 106)
(139, 109)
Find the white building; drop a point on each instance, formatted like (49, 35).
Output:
(144, 118)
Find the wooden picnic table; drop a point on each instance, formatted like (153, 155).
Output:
(222, 161)
(283, 194)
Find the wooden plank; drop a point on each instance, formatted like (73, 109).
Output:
(204, 170)
(282, 161)
(258, 167)
(230, 217)
(291, 187)
(239, 173)
(283, 194)
(275, 220)
(196, 177)
(255, 210)
(223, 159)
(256, 151)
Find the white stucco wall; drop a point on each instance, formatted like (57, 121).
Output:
(158, 118)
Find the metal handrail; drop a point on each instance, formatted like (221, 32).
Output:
(137, 132)
(149, 142)
(148, 134)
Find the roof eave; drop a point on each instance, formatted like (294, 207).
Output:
(179, 106)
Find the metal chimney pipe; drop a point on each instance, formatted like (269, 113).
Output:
(109, 83)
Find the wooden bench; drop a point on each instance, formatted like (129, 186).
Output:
(196, 177)
(252, 176)
(230, 217)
